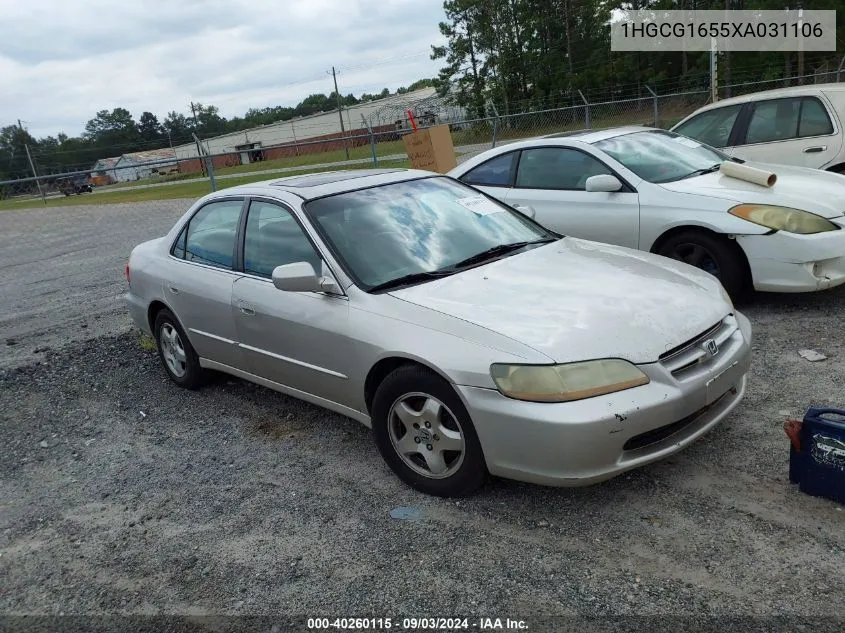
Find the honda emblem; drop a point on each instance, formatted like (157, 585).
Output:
(711, 346)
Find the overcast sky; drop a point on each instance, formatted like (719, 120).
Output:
(63, 60)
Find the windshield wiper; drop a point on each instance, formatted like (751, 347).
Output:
(708, 170)
(407, 280)
(498, 250)
(483, 256)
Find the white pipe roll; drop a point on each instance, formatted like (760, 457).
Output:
(748, 174)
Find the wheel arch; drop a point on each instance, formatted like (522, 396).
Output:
(693, 228)
(385, 366)
(838, 168)
(156, 306)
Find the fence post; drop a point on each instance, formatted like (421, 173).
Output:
(495, 123)
(200, 155)
(372, 139)
(654, 96)
(586, 110)
(209, 162)
(35, 173)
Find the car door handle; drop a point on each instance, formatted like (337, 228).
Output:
(525, 210)
(816, 149)
(246, 308)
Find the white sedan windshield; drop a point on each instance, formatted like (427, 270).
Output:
(660, 156)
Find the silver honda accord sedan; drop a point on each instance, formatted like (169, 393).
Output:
(470, 339)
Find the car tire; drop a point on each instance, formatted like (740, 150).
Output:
(714, 254)
(176, 352)
(435, 448)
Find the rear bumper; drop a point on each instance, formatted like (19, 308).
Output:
(584, 442)
(138, 311)
(787, 262)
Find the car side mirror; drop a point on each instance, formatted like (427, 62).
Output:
(301, 277)
(603, 182)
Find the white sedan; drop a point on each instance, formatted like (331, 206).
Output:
(664, 193)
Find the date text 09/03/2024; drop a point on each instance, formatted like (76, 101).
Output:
(417, 624)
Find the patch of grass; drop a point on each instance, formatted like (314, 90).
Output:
(146, 342)
(191, 189)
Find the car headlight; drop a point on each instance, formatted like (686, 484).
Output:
(564, 383)
(783, 218)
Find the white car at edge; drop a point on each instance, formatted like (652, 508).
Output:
(657, 191)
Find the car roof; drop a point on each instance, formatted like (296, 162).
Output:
(326, 183)
(582, 136)
(792, 91)
(594, 136)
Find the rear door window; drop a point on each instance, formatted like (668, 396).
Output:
(211, 232)
(773, 120)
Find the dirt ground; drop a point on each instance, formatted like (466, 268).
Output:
(123, 494)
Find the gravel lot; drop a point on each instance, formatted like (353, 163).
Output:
(123, 494)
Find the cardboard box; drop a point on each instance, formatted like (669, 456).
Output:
(431, 149)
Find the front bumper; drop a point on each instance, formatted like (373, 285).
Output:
(787, 262)
(584, 442)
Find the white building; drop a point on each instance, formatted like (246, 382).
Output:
(380, 112)
(134, 166)
(104, 168)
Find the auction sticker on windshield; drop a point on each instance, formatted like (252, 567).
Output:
(480, 205)
(687, 142)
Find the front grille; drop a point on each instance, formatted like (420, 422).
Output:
(692, 353)
(695, 339)
(661, 433)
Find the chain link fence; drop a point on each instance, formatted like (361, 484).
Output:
(190, 171)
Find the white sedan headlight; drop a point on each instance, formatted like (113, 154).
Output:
(783, 218)
(564, 383)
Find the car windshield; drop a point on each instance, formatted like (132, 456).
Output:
(418, 228)
(661, 156)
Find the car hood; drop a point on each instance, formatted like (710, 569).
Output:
(574, 300)
(813, 190)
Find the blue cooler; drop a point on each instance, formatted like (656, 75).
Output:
(819, 466)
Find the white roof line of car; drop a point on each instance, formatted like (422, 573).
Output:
(273, 186)
(774, 93)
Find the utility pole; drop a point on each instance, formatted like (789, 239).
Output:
(340, 112)
(194, 112)
(35, 173)
(714, 78)
(800, 45)
(727, 73)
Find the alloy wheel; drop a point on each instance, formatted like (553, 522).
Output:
(426, 435)
(172, 350)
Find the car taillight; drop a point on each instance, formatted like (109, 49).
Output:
(126, 272)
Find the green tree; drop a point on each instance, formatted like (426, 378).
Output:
(178, 126)
(115, 128)
(461, 76)
(208, 120)
(149, 129)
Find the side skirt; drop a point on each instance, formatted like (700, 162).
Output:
(363, 418)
